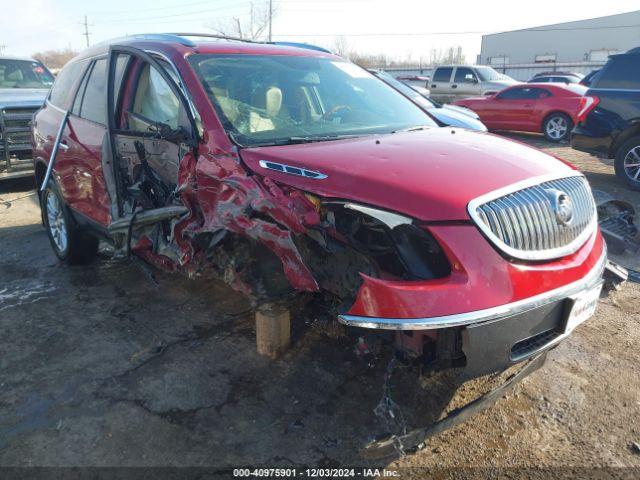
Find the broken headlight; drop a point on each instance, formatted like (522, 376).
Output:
(394, 242)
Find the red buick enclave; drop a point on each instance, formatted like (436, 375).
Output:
(281, 169)
(545, 108)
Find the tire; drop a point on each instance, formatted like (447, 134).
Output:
(557, 127)
(625, 162)
(69, 242)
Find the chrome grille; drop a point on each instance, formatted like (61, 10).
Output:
(525, 223)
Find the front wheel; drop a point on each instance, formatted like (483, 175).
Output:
(557, 127)
(69, 242)
(627, 163)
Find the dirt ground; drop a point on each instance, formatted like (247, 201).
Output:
(100, 367)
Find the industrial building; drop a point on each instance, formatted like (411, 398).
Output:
(580, 45)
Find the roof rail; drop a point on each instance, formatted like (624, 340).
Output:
(301, 45)
(212, 35)
(166, 37)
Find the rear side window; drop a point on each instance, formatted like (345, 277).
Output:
(92, 94)
(442, 75)
(521, 93)
(63, 88)
(621, 72)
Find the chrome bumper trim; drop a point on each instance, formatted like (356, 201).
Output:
(481, 316)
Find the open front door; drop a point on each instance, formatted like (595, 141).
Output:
(150, 130)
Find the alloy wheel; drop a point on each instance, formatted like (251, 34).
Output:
(557, 127)
(56, 222)
(632, 164)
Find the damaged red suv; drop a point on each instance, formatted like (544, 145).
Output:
(281, 169)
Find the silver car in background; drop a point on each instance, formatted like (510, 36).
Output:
(455, 82)
(24, 84)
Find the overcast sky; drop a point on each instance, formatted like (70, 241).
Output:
(399, 28)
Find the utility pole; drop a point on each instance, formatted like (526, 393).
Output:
(86, 30)
(270, 19)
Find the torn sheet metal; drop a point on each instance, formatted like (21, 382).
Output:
(222, 198)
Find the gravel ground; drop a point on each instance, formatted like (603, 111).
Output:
(100, 367)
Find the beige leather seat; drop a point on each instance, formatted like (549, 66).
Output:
(273, 105)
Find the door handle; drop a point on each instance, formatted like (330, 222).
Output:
(63, 145)
(433, 86)
(528, 105)
(454, 86)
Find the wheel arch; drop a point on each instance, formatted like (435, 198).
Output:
(553, 112)
(622, 137)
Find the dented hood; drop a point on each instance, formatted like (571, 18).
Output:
(429, 175)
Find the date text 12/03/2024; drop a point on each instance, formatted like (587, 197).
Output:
(315, 473)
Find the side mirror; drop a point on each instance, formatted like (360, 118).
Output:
(470, 78)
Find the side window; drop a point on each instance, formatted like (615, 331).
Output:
(62, 90)
(154, 100)
(540, 93)
(121, 65)
(621, 72)
(461, 74)
(523, 93)
(93, 93)
(443, 75)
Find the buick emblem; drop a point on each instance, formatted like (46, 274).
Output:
(561, 205)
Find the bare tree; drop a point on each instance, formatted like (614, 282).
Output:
(55, 58)
(341, 47)
(251, 28)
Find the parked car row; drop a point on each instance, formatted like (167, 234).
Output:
(446, 115)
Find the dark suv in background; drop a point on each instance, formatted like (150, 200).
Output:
(609, 120)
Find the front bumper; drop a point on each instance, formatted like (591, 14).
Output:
(483, 315)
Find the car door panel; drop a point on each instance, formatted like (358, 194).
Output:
(85, 189)
(462, 86)
(151, 132)
(440, 85)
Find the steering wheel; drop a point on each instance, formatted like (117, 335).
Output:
(337, 111)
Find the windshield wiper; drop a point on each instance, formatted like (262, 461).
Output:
(316, 138)
(412, 129)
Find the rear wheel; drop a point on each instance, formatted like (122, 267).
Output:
(557, 127)
(627, 163)
(69, 242)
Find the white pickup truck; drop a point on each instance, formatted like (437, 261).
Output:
(24, 84)
(454, 82)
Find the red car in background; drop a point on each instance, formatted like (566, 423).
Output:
(531, 107)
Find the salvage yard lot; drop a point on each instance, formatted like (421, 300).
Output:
(100, 366)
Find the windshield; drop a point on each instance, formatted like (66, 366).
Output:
(24, 74)
(275, 99)
(405, 89)
(488, 74)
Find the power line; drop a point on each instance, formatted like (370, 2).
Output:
(468, 32)
(139, 19)
(154, 9)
